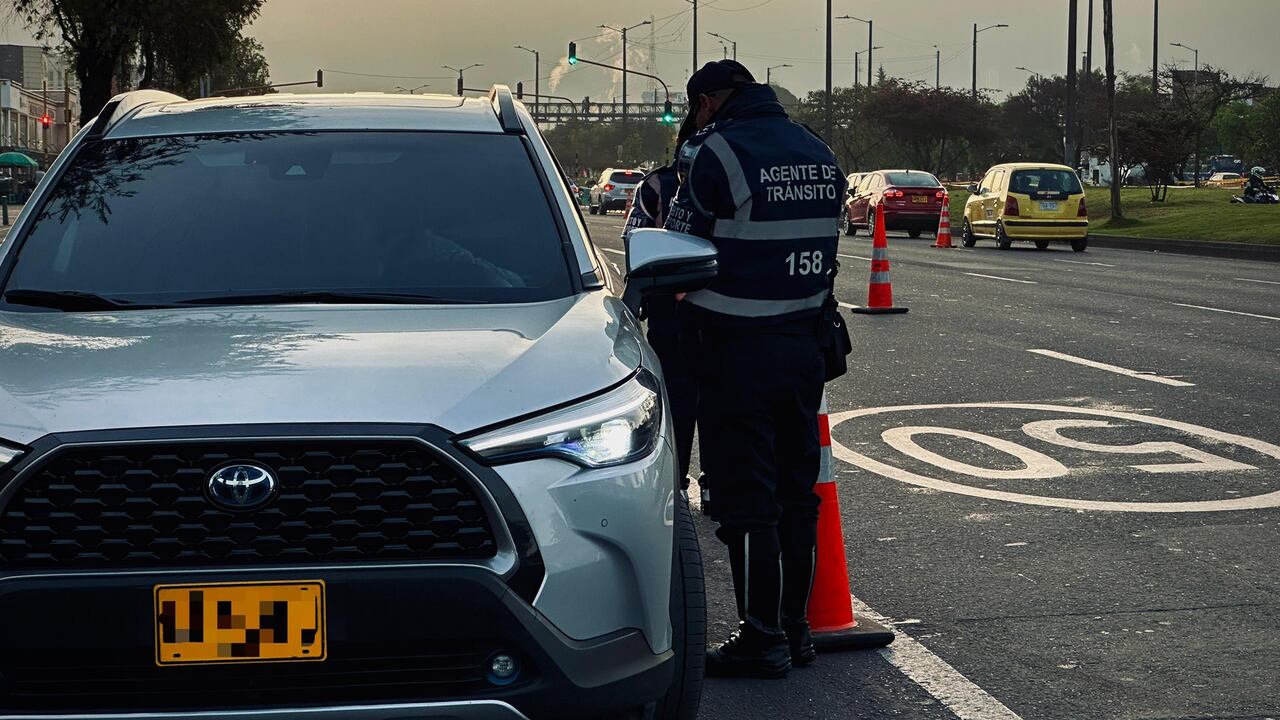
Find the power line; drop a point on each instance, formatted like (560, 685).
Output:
(393, 77)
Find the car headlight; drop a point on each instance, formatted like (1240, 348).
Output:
(8, 454)
(620, 426)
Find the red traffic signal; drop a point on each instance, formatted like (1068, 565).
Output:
(45, 120)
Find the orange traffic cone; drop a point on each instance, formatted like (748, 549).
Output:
(880, 294)
(831, 616)
(944, 226)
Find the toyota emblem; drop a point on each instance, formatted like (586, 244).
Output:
(242, 486)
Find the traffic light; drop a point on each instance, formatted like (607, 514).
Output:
(668, 117)
(45, 120)
(520, 90)
(319, 78)
(573, 53)
(459, 86)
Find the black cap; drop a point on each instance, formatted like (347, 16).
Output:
(719, 75)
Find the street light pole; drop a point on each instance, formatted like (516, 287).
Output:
(1069, 156)
(870, 44)
(731, 42)
(461, 82)
(827, 124)
(768, 72)
(623, 32)
(537, 86)
(1155, 49)
(975, 52)
(856, 65)
(937, 71)
(695, 33)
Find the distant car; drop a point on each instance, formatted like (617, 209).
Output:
(613, 189)
(1225, 179)
(910, 200)
(1027, 201)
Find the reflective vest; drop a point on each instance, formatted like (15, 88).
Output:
(768, 193)
(653, 196)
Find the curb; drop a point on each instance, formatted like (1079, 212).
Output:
(1238, 251)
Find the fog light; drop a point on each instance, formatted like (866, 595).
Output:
(503, 669)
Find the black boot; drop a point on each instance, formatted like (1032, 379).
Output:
(798, 538)
(759, 647)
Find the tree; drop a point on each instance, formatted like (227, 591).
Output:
(584, 145)
(1202, 95)
(184, 38)
(1248, 130)
(935, 128)
(881, 76)
(1109, 38)
(1158, 137)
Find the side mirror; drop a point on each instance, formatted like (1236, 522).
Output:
(663, 261)
(973, 189)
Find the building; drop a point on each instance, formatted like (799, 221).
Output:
(35, 84)
(31, 66)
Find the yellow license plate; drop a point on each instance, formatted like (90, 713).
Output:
(919, 199)
(241, 622)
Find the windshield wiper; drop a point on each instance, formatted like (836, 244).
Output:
(333, 297)
(70, 300)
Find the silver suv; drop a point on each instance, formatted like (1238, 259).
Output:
(613, 189)
(292, 426)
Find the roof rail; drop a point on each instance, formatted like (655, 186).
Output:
(124, 103)
(504, 106)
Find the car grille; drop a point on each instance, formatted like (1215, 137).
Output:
(340, 501)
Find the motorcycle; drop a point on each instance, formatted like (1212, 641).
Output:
(1258, 197)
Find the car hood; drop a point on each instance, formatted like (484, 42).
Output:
(458, 367)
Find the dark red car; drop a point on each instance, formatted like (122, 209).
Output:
(910, 200)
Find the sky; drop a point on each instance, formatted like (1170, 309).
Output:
(408, 41)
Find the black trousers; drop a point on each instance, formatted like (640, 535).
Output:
(760, 392)
(673, 335)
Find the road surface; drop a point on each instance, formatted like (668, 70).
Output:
(1059, 476)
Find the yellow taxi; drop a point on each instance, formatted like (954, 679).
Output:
(1039, 202)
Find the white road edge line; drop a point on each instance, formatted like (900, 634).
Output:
(853, 257)
(997, 277)
(1232, 312)
(611, 250)
(1264, 282)
(956, 692)
(1113, 368)
(1080, 262)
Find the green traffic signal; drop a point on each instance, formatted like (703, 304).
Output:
(573, 53)
(668, 117)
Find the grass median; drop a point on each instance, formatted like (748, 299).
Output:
(1188, 214)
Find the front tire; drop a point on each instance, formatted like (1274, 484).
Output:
(1002, 238)
(871, 222)
(967, 238)
(688, 621)
(846, 227)
(1080, 244)
(1042, 244)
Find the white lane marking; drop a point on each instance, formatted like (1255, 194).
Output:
(997, 277)
(1050, 431)
(1252, 502)
(615, 252)
(1232, 312)
(849, 306)
(1035, 465)
(854, 257)
(956, 692)
(1113, 368)
(1264, 282)
(1079, 262)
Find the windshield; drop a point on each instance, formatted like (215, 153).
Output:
(914, 179)
(1049, 180)
(179, 219)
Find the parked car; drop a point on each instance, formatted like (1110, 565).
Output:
(613, 189)
(406, 460)
(909, 200)
(1041, 203)
(1225, 179)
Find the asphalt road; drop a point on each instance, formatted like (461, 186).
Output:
(1105, 549)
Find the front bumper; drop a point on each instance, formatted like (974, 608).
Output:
(407, 638)
(416, 638)
(1046, 229)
